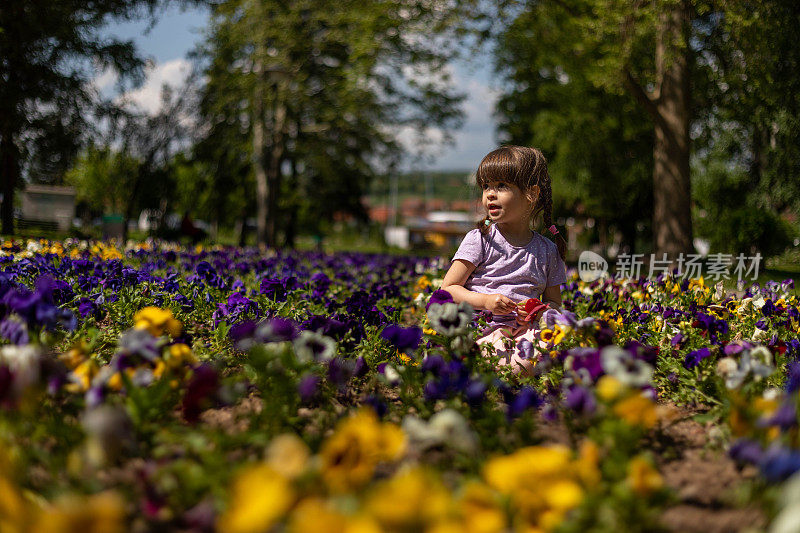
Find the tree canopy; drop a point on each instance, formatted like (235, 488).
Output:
(317, 93)
(615, 92)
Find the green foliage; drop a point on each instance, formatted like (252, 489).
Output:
(729, 215)
(103, 179)
(598, 140)
(332, 87)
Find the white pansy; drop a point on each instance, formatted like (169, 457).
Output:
(24, 363)
(788, 520)
(620, 364)
(772, 394)
(762, 354)
(391, 374)
(312, 346)
(450, 319)
(726, 366)
(752, 362)
(446, 428)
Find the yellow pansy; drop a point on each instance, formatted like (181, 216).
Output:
(259, 498)
(588, 464)
(547, 335)
(100, 513)
(115, 381)
(559, 333)
(157, 321)
(480, 511)
(288, 455)
(609, 388)
(83, 374)
(360, 442)
(422, 283)
(541, 481)
(643, 478)
(74, 356)
(637, 410)
(409, 501)
(314, 514)
(699, 283)
(14, 516)
(180, 354)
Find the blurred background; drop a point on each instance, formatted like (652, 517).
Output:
(670, 126)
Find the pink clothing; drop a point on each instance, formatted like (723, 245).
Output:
(511, 355)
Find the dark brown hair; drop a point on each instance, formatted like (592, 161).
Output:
(527, 169)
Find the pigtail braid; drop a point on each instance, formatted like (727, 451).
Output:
(546, 201)
(484, 224)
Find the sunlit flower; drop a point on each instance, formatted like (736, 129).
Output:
(14, 510)
(625, 367)
(157, 321)
(541, 481)
(643, 478)
(637, 410)
(480, 509)
(104, 512)
(450, 319)
(609, 388)
(409, 501)
(288, 455)
(259, 498)
(360, 442)
(312, 346)
(81, 377)
(315, 514)
(447, 427)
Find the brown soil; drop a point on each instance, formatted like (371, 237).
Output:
(233, 419)
(703, 478)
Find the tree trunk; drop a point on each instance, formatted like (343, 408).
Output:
(290, 231)
(130, 202)
(9, 167)
(243, 229)
(260, 171)
(274, 171)
(672, 217)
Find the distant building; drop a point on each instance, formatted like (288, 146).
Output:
(439, 230)
(48, 205)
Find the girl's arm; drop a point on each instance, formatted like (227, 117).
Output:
(454, 282)
(552, 296)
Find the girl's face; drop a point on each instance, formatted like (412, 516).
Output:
(505, 202)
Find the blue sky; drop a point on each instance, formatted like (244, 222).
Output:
(177, 31)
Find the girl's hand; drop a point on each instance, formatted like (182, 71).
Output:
(530, 311)
(499, 304)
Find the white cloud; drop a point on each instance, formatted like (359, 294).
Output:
(106, 80)
(476, 137)
(473, 140)
(147, 98)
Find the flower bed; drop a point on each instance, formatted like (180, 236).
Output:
(155, 387)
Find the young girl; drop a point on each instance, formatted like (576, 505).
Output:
(503, 263)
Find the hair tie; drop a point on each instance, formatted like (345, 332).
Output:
(553, 229)
(487, 222)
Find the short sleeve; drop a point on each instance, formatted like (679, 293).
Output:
(556, 269)
(471, 248)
